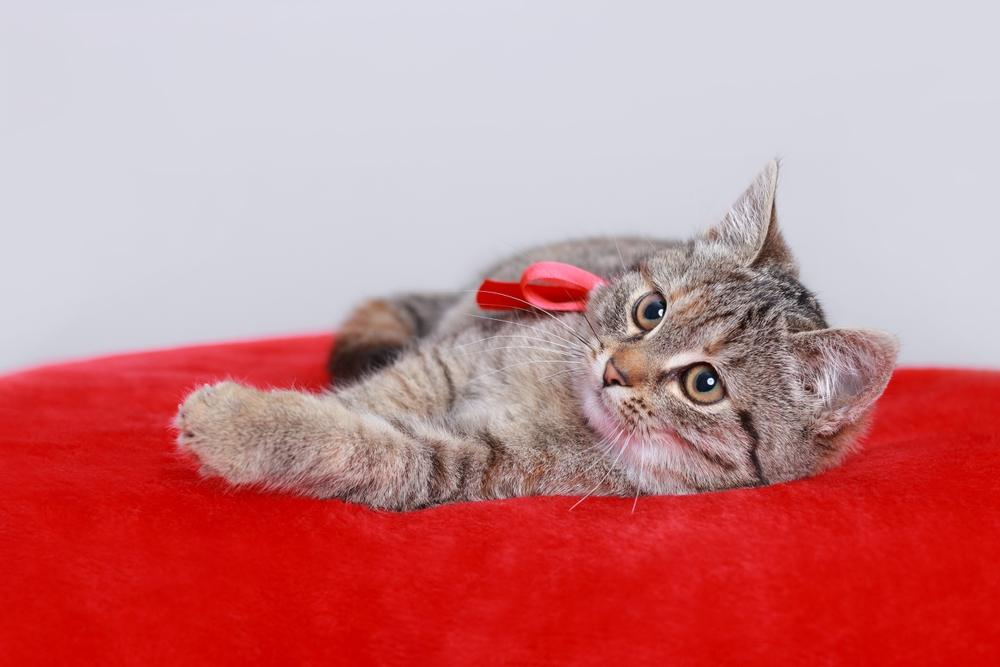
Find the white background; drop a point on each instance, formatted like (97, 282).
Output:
(183, 171)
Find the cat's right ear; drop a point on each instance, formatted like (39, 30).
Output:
(750, 228)
(846, 369)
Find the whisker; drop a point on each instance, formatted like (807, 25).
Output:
(642, 468)
(558, 373)
(602, 447)
(522, 324)
(620, 258)
(521, 336)
(541, 310)
(597, 336)
(605, 445)
(628, 441)
(590, 324)
(524, 363)
(525, 347)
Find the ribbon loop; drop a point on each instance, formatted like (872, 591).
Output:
(545, 285)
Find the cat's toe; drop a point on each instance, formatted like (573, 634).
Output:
(211, 424)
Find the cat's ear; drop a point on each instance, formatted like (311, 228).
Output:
(750, 228)
(847, 369)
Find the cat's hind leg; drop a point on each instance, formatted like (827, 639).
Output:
(378, 330)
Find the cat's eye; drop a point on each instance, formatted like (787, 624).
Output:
(649, 310)
(702, 384)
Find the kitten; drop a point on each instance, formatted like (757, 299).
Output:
(700, 365)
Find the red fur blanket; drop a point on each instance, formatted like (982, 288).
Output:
(114, 551)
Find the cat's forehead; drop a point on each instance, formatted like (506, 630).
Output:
(707, 292)
(691, 262)
(695, 282)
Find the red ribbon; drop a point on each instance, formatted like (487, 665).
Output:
(545, 285)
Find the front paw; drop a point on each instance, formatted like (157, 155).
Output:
(220, 425)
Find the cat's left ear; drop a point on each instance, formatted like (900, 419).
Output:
(846, 369)
(750, 228)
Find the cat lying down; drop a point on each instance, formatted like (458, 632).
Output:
(699, 365)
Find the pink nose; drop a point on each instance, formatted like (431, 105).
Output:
(613, 376)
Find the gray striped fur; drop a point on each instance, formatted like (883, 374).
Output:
(436, 401)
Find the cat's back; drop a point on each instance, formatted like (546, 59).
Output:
(602, 255)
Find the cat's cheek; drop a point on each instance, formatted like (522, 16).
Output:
(598, 416)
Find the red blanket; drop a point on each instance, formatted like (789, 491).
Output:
(113, 550)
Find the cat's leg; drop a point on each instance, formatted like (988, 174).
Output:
(378, 330)
(356, 444)
(388, 442)
(306, 444)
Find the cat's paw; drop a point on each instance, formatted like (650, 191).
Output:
(220, 425)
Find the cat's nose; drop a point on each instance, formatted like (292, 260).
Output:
(613, 376)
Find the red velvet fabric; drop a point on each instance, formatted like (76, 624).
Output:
(114, 551)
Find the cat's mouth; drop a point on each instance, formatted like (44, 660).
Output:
(627, 424)
(628, 418)
(629, 408)
(616, 414)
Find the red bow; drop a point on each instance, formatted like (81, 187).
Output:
(545, 285)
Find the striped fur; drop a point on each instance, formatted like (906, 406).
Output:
(436, 401)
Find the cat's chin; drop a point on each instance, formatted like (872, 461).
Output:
(654, 462)
(658, 463)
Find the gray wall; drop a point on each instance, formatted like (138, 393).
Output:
(186, 171)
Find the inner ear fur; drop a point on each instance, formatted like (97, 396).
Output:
(750, 228)
(847, 369)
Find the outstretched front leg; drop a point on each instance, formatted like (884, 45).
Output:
(394, 441)
(315, 445)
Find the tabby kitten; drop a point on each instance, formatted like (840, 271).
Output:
(700, 365)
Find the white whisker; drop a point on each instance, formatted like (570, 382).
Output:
(628, 441)
(524, 347)
(604, 445)
(521, 324)
(642, 468)
(525, 363)
(558, 373)
(620, 258)
(541, 310)
(520, 336)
